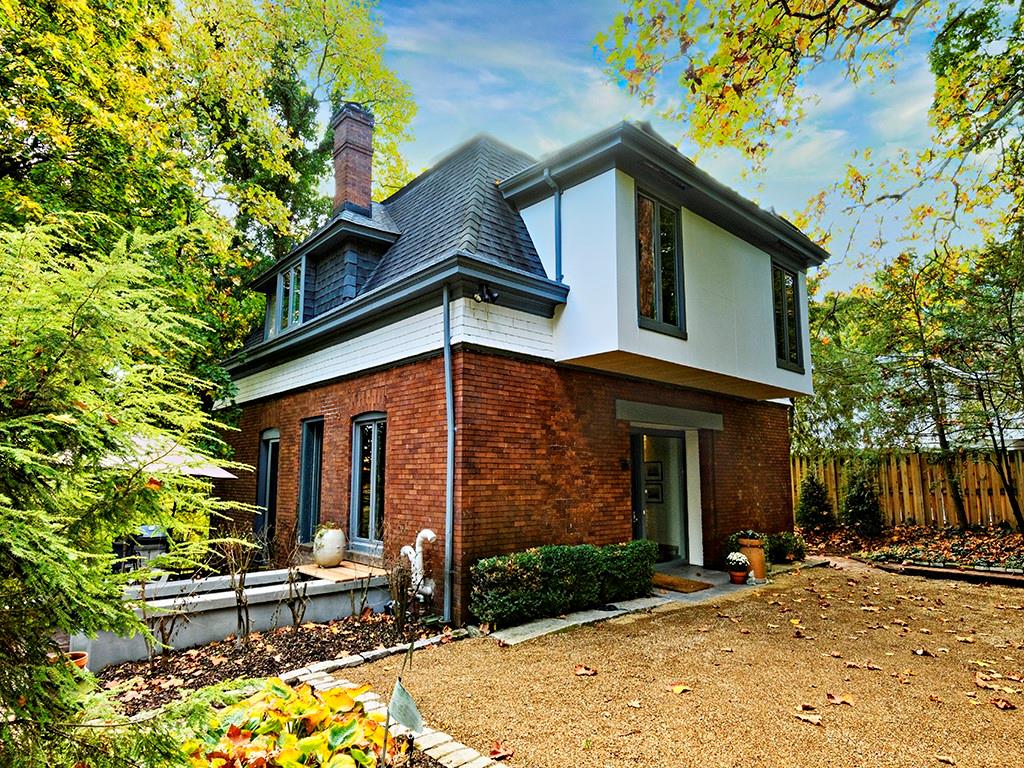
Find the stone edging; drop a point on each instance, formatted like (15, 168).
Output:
(437, 744)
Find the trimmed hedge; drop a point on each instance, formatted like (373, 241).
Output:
(556, 579)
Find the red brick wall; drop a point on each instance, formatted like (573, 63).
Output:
(412, 396)
(544, 460)
(540, 456)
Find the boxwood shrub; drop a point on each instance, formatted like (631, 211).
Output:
(556, 579)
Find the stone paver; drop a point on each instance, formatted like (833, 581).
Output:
(640, 604)
(480, 762)
(445, 749)
(430, 740)
(459, 758)
(530, 631)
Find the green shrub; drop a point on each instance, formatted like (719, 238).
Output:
(784, 547)
(861, 509)
(570, 578)
(505, 588)
(556, 579)
(814, 510)
(627, 570)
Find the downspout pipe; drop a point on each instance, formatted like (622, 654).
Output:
(449, 469)
(558, 223)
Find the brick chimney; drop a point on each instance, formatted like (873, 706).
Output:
(353, 157)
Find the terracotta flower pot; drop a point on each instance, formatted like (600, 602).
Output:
(754, 550)
(738, 577)
(79, 658)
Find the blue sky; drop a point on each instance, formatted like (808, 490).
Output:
(527, 73)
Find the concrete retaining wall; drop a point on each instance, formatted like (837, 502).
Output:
(210, 615)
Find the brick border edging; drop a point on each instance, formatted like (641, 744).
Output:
(436, 744)
(321, 669)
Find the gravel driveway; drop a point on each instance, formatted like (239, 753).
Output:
(904, 652)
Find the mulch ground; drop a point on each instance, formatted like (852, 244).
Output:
(987, 547)
(144, 685)
(851, 667)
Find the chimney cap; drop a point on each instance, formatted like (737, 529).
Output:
(352, 109)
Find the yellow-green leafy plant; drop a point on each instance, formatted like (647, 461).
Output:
(289, 727)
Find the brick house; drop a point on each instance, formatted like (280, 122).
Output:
(591, 347)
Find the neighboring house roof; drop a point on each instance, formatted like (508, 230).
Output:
(456, 207)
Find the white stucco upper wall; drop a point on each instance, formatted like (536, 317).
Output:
(728, 306)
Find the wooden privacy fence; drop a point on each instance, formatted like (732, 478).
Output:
(912, 487)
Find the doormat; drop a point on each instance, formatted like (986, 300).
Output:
(678, 583)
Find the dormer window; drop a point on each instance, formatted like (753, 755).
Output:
(284, 307)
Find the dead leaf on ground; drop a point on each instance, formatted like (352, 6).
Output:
(1001, 703)
(582, 670)
(500, 752)
(812, 719)
(678, 688)
(964, 639)
(945, 759)
(837, 699)
(922, 652)
(634, 704)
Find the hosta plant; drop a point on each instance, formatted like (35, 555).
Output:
(285, 727)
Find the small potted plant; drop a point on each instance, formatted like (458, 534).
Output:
(328, 545)
(738, 566)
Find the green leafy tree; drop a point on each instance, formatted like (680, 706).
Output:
(91, 403)
(199, 116)
(729, 73)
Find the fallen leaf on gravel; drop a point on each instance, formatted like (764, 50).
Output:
(922, 652)
(804, 707)
(726, 650)
(852, 665)
(773, 626)
(945, 759)
(872, 666)
(961, 639)
(635, 703)
(582, 670)
(935, 698)
(812, 719)
(1002, 703)
(842, 698)
(833, 654)
(502, 643)
(678, 688)
(500, 752)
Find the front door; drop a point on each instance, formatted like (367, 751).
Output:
(659, 492)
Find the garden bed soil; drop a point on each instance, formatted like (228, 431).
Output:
(990, 547)
(144, 685)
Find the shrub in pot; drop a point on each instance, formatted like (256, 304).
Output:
(738, 566)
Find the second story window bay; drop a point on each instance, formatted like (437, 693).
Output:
(659, 267)
(284, 306)
(785, 302)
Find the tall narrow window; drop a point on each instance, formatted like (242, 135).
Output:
(659, 267)
(266, 485)
(369, 439)
(785, 295)
(285, 305)
(309, 478)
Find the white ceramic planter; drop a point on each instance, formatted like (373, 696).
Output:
(329, 547)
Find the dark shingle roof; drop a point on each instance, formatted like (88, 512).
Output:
(456, 206)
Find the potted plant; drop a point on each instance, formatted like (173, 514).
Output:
(737, 564)
(751, 544)
(328, 545)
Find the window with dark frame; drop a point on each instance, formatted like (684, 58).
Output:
(785, 295)
(309, 478)
(369, 442)
(659, 267)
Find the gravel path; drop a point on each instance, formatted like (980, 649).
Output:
(751, 662)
